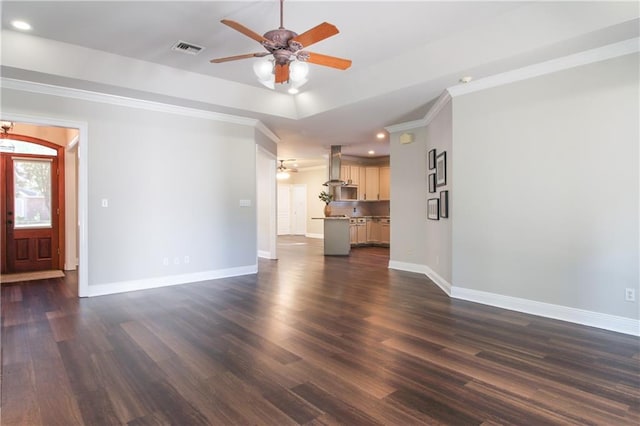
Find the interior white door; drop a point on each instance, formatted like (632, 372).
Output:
(284, 209)
(299, 209)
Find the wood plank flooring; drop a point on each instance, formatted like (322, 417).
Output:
(310, 340)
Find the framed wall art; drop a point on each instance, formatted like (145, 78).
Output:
(444, 204)
(433, 209)
(432, 159)
(432, 182)
(441, 169)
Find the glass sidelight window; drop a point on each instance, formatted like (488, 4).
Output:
(32, 193)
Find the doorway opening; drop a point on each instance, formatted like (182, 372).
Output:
(38, 200)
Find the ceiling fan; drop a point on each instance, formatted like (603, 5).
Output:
(286, 46)
(282, 172)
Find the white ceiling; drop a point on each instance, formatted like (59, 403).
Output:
(404, 55)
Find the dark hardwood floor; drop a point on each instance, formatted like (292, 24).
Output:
(309, 340)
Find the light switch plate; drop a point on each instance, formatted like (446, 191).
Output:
(105, 202)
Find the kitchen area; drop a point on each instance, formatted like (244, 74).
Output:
(360, 210)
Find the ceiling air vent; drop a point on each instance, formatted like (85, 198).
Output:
(188, 48)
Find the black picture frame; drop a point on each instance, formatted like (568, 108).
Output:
(432, 159)
(433, 209)
(441, 169)
(444, 204)
(432, 182)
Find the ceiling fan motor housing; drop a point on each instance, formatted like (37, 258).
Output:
(281, 45)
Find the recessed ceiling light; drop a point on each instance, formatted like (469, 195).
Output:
(293, 91)
(380, 135)
(466, 79)
(21, 25)
(371, 152)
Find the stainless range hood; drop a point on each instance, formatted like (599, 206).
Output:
(335, 161)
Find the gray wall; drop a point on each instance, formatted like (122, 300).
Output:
(438, 236)
(173, 183)
(409, 201)
(417, 243)
(546, 188)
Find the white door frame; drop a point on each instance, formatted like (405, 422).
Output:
(269, 176)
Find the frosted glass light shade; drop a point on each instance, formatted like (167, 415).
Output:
(298, 72)
(263, 69)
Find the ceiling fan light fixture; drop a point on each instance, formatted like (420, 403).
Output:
(263, 69)
(282, 175)
(298, 71)
(289, 60)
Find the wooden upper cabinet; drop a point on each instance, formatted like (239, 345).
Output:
(385, 183)
(354, 174)
(345, 173)
(362, 181)
(372, 185)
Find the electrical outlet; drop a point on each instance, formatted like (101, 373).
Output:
(630, 295)
(165, 261)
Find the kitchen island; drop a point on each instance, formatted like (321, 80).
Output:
(336, 235)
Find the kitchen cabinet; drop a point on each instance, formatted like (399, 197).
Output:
(372, 184)
(345, 173)
(362, 231)
(385, 231)
(350, 174)
(362, 181)
(358, 231)
(354, 175)
(369, 231)
(353, 233)
(373, 231)
(385, 183)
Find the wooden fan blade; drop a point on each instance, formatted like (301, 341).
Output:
(282, 73)
(244, 30)
(235, 58)
(316, 34)
(328, 61)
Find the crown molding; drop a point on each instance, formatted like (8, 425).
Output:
(586, 57)
(104, 98)
(443, 99)
(609, 51)
(259, 125)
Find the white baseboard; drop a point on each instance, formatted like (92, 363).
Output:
(148, 283)
(564, 313)
(265, 254)
(547, 310)
(320, 236)
(422, 269)
(71, 266)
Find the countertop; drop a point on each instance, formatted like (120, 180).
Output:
(332, 218)
(351, 217)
